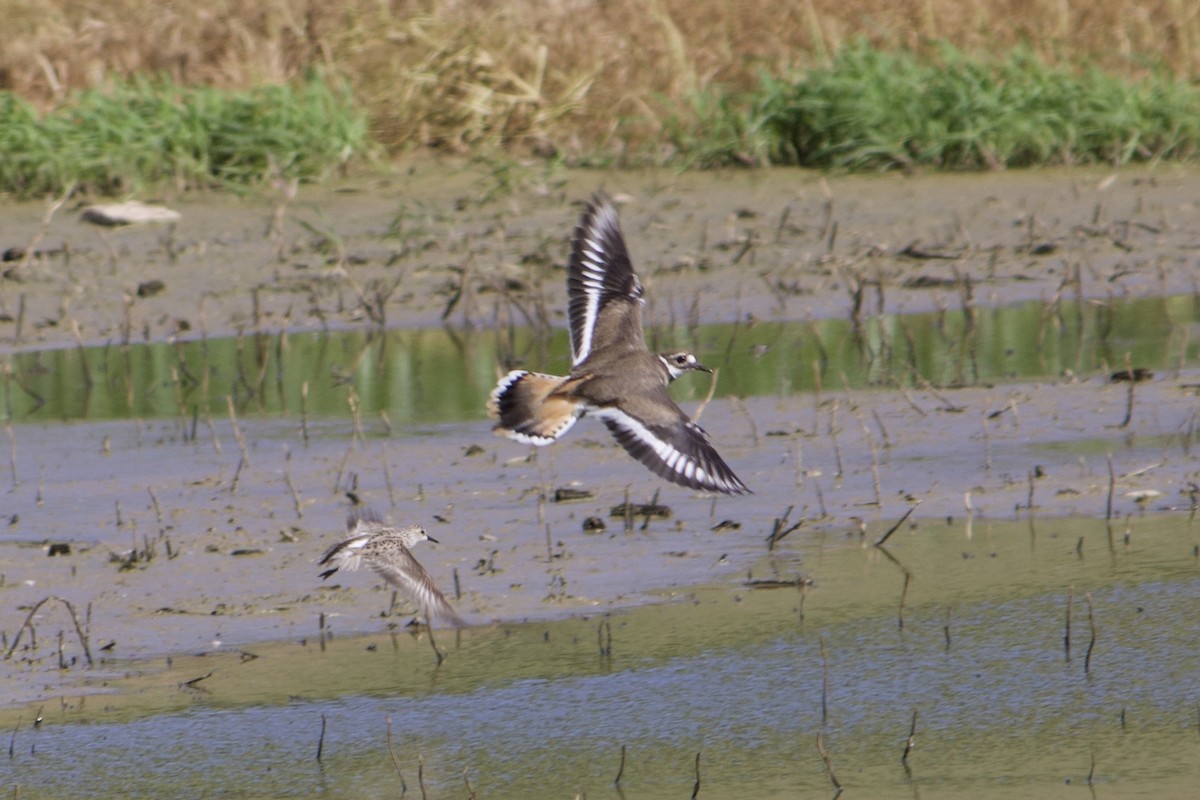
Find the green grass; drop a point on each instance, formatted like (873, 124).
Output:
(876, 110)
(872, 109)
(151, 131)
(868, 109)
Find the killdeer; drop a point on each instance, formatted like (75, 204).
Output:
(613, 375)
(386, 550)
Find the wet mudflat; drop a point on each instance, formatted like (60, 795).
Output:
(193, 530)
(1034, 666)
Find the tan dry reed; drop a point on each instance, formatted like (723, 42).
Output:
(574, 75)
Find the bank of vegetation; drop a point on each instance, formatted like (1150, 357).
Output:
(110, 94)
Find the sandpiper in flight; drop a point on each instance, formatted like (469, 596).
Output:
(613, 375)
(386, 550)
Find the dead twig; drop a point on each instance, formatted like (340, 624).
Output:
(907, 580)
(238, 436)
(1067, 627)
(828, 764)
(1112, 484)
(895, 527)
(297, 503)
(1087, 658)
(395, 762)
(712, 388)
(195, 682)
(12, 740)
(28, 623)
(781, 529)
(55, 205)
(1128, 397)
(824, 682)
(912, 739)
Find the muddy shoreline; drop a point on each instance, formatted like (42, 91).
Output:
(772, 244)
(234, 535)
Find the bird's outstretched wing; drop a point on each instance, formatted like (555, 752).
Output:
(604, 296)
(674, 448)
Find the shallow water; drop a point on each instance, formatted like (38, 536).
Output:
(443, 375)
(735, 674)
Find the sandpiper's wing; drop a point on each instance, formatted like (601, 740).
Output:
(604, 295)
(384, 550)
(657, 433)
(398, 567)
(361, 526)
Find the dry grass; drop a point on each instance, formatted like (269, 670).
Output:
(574, 76)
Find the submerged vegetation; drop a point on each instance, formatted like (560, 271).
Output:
(116, 93)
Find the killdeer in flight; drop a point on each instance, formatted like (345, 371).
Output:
(386, 550)
(613, 375)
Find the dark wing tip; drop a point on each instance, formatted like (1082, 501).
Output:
(327, 572)
(590, 223)
(595, 203)
(330, 552)
(599, 271)
(737, 487)
(724, 480)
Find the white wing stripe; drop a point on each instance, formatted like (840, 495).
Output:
(593, 284)
(593, 264)
(673, 457)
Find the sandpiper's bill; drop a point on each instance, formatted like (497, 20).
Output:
(386, 550)
(613, 375)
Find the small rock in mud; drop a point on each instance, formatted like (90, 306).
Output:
(768, 583)
(1135, 375)
(150, 288)
(641, 511)
(569, 495)
(928, 282)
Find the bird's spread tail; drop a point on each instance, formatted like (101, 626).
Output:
(345, 554)
(525, 408)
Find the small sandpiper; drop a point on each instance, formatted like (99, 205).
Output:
(386, 550)
(613, 375)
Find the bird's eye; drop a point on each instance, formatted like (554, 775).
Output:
(681, 359)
